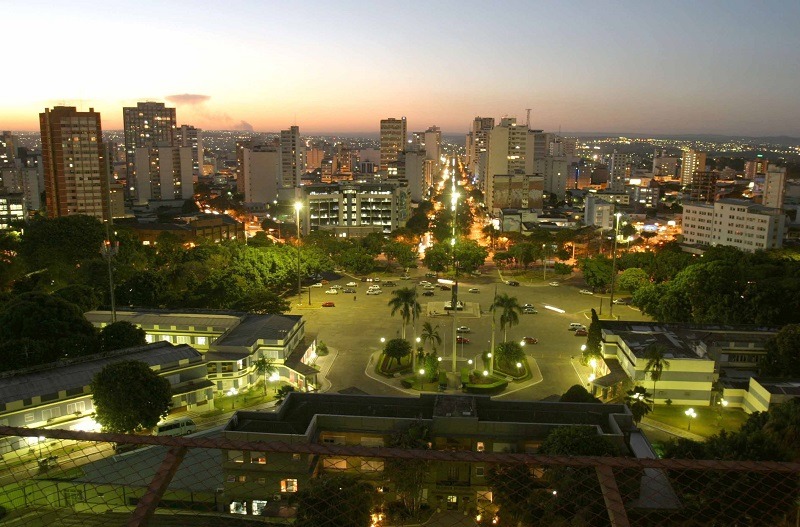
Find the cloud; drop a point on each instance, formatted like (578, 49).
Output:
(244, 125)
(191, 99)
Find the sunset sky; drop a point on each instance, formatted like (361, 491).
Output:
(699, 66)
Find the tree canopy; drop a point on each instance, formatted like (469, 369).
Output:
(129, 396)
(120, 335)
(338, 499)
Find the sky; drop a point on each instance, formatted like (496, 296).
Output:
(677, 67)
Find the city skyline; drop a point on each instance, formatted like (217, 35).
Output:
(709, 68)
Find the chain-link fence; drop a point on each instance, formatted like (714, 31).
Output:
(55, 477)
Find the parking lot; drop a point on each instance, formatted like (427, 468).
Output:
(358, 321)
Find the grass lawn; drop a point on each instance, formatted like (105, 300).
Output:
(708, 422)
(243, 400)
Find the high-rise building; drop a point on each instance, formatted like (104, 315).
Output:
(510, 152)
(691, 162)
(75, 175)
(543, 143)
(774, 187)
(618, 171)
(8, 149)
(555, 171)
(703, 186)
(476, 145)
(664, 166)
(146, 125)
(393, 141)
(189, 136)
(163, 173)
(261, 173)
(292, 152)
(755, 166)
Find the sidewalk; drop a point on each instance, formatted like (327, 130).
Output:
(672, 430)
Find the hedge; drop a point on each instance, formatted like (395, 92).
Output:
(495, 387)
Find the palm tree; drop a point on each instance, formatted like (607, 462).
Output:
(639, 401)
(656, 363)
(405, 301)
(265, 367)
(509, 312)
(430, 333)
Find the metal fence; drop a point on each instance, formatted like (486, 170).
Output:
(58, 477)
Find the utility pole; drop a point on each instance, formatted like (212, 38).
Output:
(109, 250)
(614, 264)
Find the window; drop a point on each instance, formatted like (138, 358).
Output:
(259, 458)
(235, 456)
(479, 471)
(29, 417)
(288, 485)
(334, 464)
(296, 457)
(202, 341)
(480, 447)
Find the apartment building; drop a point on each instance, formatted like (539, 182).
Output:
(146, 125)
(163, 173)
(393, 135)
(735, 223)
(476, 424)
(477, 146)
(510, 151)
(191, 137)
(691, 162)
(327, 206)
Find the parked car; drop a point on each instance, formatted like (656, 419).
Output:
(581, 333)
(526, 305)
(374, 292)
(390, 284)
(463, 329)
(555, 284)
(337, 286)
(428, 287)
(462, 340)
(318, 284)
(529, 310)
(585, 292)
(325, 282)
(376, 279)
(430, 275)
(405, 277)
(576, 325)
(352, 284)
(427, 293)
(530, 340)
(474, 290)
(332, 292)
(622, 301)
(424, 282)
(365, 279)
(348, 290)
(328, 304)
(373, 286)
(444, 287)
(512, 283)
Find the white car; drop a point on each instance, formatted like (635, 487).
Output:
(424, 283)
(318, 284)
(373, 287)
(555, 284)
(474, 290)
(332, 292)
(622, 301)
(428, 287)
(585, 292)
(374, 292)
(352, 284)
(337, 286)
(463, 329)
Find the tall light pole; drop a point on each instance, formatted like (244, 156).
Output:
(297, 207)
(614, 264)
(454, 298)
(109, 250)
(544, 262)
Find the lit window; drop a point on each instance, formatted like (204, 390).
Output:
(288, 485)
(480, 446)
(334, 464)
(259, 458)
(371, 465)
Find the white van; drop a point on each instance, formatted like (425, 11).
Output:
(178, 427)
(576, 325)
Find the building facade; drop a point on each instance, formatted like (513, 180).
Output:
(393, 141)
(691, 161)
(163, 173)
(189, 136)
(75, 173)
(735, 223)
(146, 125)
(292, 162)
(510, 152)
(477, 146)
(261, 173)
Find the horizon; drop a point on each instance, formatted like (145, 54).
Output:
(265, 66)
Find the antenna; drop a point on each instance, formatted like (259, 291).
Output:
(528, 118)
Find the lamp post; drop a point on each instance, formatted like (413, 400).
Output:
(421, 379)
(454, 298)
(614, 264)
(109, 250)
(233, 392)
(690, 414)
(297, 207)
(544, 262)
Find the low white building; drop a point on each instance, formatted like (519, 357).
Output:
(735, 223)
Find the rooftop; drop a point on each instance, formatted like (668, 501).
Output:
(253, 328)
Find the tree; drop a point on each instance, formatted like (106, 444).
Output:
(129, 396)
(594, 340)
(438, 257)
(640, 402)
(282, 393)
(783, 353)
(83, 296)
(339, 499)
(596, 271)
(508, 354)
(430, 334)
(404, 301)
(509, 312)
(632, 279)
(262, 301)
(265, 367)
(562, 269)
(578, 394)
(656, 363)
(576, 441)
(408, 475)
(418, 223)
(403, 253)
(396, 349)
(60, 244)
(491, 232)
(469, 255)
(120, 335)
(357, 260)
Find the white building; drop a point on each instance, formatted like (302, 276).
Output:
(691, 162)
(193, 138)
(598, 212)
(774, 187)
(555, 172)
(419, 173)
(393, 141)
(735, 223)
(163, 173)
(326, 206)
(618, 171)
(260, 174)
(477, 145)
(509, 152)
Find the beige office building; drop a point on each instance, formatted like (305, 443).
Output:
(393, 140)
(734, 223)
(692, 161)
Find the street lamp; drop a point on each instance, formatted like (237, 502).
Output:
(109, 250)
(544, 262)
(422, 379)
(297, 207)
(233, 392)
(690, 414)
(614, 263)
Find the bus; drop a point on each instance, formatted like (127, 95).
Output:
(179, 427)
